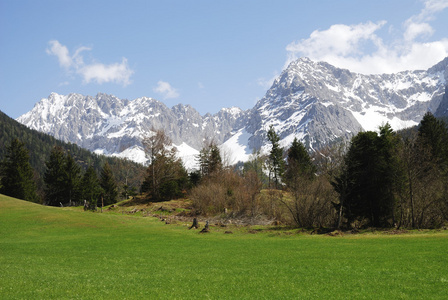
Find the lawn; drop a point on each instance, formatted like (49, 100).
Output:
(61, 253)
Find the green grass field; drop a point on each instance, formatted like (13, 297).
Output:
(61, 253)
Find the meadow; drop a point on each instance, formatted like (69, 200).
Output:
(61, 253)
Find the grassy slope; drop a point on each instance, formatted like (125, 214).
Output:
(48, 252)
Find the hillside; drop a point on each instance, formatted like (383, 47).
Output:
(40, 145)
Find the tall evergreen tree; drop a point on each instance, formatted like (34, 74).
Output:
(72, 180)
(433, 133)
(391, 178)
(55, 178)
(210, 160)
(166, 176)
(276, 162)
(367, 184)
(298, 162)
(91, 189)
(16, 173)
(108, 185)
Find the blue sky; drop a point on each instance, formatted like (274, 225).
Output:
(209, 54)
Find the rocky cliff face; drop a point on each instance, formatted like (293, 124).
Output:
(442, 110)
(108, 125)
(320, 103)
(313, 101)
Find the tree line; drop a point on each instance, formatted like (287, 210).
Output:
(64, 180)
(378, 179)
(127, 174)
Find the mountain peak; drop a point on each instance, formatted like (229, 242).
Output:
(440, 67)
(313, 101)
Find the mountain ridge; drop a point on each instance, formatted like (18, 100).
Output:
(313, 101)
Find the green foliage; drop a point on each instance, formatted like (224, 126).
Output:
(210, 161)
(62, 179)
(72, 180)
(16, 173)
(194, 177)
(168, 180)
(424, 195)
(55, 178)
(40, 146)
(434, 134)
(298, 162)
(166, 177)
(276, 162)
(91, 189)
(366, 185)
(108, 185)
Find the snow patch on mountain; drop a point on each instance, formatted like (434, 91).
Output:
(236, 148)
(312, 101)
(189, 156)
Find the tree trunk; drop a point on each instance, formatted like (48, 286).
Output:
(195, 224)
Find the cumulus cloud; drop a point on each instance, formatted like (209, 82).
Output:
(360, 48)
(166, 90)
(119, 73)
(61, 52)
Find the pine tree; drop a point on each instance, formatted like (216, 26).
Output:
(91, 189)
(210, 161)
(16, 173)
(108, 185)
(55, 178)
(299, 162)
(433, 133)
(166, 176)
(368, 182)
(72, 180)
(276, 162)
(433, 136)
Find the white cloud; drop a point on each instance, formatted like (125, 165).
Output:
(414, 30)
(166, 90)
(61, 52)
(359, 47)
(97, 72)
(431, 7)
(118, 73)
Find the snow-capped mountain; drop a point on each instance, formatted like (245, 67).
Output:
(313, 101)
(108, 125)
(319, 103)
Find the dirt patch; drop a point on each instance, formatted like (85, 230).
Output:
(396, 231)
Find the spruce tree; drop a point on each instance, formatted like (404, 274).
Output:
(368, 182)
(17, 176)
(299, 163)
(433, 133)
(55, 178)
(210, 161)
(276, 162)
(108, 185)
(91, 189)
(166, 176)
(72, 180)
